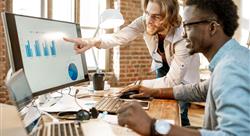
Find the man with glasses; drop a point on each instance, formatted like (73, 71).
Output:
(209, 27)
(161, 29)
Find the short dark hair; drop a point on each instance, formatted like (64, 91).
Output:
(225, 11)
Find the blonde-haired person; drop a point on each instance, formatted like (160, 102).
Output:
(161, 29)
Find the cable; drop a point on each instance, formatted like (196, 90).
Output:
(76, 99)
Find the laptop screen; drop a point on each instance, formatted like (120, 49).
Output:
(19, 89)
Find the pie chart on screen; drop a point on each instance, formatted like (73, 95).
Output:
(73, 72)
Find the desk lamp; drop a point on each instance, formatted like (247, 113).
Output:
(110, 18)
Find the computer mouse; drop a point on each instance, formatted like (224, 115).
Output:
(126, 95)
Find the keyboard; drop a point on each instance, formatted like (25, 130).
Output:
(109, 104)
(60, 129)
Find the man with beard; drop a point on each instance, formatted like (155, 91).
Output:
(161, 29)
(209, 26)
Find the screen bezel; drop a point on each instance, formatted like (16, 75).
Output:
(14, 50)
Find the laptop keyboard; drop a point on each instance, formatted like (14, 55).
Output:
(109, 104)
(61, 129)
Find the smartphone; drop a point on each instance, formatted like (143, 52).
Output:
(144, 104)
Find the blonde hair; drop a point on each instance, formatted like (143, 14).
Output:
(169, 11)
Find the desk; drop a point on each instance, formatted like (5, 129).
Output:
(165, 109)
(159, 109)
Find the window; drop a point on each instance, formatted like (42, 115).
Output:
(33, 8)
(90, 12)
(64, 10)
(243, 30)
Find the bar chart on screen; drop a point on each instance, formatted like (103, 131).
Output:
(40, 49)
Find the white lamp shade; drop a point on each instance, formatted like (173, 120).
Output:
(111, 18)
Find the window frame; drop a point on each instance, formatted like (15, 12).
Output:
(47, 12)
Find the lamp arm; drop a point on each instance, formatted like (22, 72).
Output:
(96, 31)
(97, 66)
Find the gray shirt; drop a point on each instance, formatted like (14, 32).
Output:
(227, 93)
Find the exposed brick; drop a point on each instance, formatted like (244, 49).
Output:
(134, 58)
(4, 98)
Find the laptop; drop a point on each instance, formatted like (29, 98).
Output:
(12, 125)
(17, 126)
(25, 118)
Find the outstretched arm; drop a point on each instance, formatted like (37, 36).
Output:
(127, 34)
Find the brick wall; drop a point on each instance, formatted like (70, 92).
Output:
(134, 60)
(3, 59)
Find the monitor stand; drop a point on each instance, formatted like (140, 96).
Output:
(50, 99)
(47, 100)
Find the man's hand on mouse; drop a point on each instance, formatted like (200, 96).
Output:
(133, 116)
(144, 92)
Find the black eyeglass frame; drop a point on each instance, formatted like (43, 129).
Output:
(198, 22)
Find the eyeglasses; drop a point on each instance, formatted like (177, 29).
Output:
(186, 25)
(155, 17)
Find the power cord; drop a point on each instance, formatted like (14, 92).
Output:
(93, 111)
(77, 90)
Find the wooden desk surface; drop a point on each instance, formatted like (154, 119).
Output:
(161, 109)
(165, 109)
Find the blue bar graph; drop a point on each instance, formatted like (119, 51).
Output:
(37, 48)
(28, 49)
(41, 48)
(46, 49)
(53, 48)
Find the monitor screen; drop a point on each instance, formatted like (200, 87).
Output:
(37, 46)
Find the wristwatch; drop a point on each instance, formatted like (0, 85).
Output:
(161, 127)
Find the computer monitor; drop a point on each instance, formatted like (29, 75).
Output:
(37, 46)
